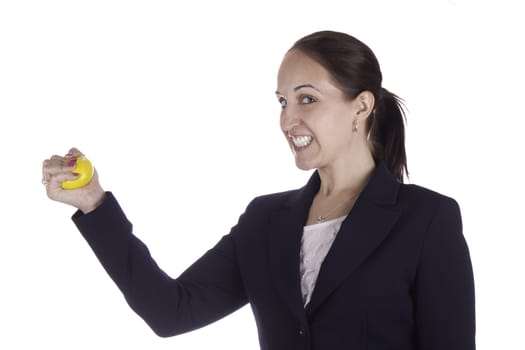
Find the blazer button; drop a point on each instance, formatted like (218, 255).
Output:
(301, 332)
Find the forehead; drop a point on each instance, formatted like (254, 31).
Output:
(298, 69)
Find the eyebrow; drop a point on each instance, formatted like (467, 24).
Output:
(298, 87)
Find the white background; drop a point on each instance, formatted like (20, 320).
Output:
(174, 104)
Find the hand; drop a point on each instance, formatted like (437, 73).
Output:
(57, 169)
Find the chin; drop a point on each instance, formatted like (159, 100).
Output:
(305, 167)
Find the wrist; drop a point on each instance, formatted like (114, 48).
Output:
(93, 202)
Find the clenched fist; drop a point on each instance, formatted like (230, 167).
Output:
(58, 170)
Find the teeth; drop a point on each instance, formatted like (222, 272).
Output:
(302, 141)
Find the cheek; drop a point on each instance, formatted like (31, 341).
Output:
(336, 132)
(342, 120)
(330, 119)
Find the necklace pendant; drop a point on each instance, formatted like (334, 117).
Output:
(320, 219)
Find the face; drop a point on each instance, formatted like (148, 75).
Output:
(316, 117)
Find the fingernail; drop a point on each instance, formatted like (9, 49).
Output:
(72, 162)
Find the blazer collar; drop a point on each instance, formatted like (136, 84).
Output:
(382, 188)
(366, 226)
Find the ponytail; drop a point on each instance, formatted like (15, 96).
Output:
(387, 133)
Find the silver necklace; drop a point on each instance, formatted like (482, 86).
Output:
(322, 218)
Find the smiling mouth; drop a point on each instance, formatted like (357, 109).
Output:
(301, 141)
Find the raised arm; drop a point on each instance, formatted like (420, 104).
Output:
(208, 290)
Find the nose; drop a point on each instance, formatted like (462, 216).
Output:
(289, 120)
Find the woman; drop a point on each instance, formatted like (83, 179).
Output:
(353, 260)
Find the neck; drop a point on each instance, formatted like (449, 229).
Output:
(348, 178)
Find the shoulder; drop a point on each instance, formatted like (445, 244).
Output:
(424, 202)
(416, 194)
(271, 201)
(255, 217)
(264, 206)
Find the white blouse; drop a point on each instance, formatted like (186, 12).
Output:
(315, 244)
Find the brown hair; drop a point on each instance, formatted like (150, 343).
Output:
(355, 68)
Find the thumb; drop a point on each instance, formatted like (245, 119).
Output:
(74, 152)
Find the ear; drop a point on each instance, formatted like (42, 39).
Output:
(364, 104)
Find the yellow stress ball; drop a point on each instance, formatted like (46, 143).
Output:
(85, 171)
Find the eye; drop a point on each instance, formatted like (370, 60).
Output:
(283, 102)
(307, 100)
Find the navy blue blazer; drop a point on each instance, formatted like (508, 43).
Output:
(397, 277)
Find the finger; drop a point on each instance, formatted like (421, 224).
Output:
(74, 152)
(55, 166)
(56, 180)
(54, 184)
(56, 159)
(52, 165)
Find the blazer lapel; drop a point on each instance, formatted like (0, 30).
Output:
(363, 230)
(285, 233)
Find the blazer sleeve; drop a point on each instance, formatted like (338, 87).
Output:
(444, 286)
(207, 291)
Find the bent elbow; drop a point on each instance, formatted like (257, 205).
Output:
(165, 329)
(163, 332)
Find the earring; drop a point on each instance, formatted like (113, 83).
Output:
(355, 126)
